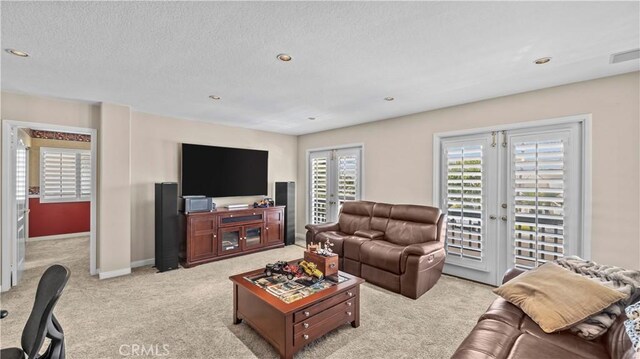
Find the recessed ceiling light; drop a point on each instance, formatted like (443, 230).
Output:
(389, 98)
(542, 60)
(284, 57)
(17, 52)
(311, 118)
(214, 97)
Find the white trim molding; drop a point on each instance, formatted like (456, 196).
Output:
(7, 202)
(143, 263)
(114, 273)
(58, 236)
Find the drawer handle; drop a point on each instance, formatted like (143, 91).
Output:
(332, 265)
(306, 336)
(267, 228)
(349, 304)
(349, 313)
(306, 325)
(350, 294)
(306, 314)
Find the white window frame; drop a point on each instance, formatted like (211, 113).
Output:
(584, 120)
(78, 197)
(362, 182)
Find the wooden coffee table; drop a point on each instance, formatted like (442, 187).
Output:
(289, 327)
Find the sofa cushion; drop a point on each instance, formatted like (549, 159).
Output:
(565, 339)
(380, 218)
(409, 224)
(529, 346)
(337, 238)
(351, 246)
(355, 215)
(556, 298)
(382, 255)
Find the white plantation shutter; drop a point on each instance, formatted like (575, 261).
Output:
(347, 177)
(464, 201)
(85, 175)
(65, 175)
(538, 201)
(319, 189)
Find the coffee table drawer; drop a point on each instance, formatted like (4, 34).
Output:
(309, 323)
(325, 304)
(323, 327)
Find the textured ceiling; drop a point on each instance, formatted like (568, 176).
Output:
(168, 57)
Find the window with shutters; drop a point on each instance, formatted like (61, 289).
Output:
(539, 202)
(319, 189)
(65, 175)
(464, 202)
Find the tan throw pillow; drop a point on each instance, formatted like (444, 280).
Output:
(556, 298)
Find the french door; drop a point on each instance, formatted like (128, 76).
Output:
(513, 199)
(335, 176)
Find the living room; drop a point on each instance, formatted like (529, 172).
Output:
(369, 112)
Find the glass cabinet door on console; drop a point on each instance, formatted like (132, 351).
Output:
(252, 237)
(229, 240)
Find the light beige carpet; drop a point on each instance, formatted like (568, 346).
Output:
(189, 311)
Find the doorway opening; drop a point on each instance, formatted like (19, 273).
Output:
(48, 199)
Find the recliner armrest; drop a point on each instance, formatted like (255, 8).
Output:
(314, 229)
(369, 233)
(421, 249)
(510, 274)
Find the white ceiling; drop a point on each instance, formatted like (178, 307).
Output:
(168, 57)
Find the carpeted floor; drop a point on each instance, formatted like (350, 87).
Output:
(189, 311)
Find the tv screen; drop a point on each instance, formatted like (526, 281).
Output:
(223, 171)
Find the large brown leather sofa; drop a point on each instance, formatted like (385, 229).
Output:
(397, 247)
(505, 331)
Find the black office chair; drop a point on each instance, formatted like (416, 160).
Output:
(42, 323)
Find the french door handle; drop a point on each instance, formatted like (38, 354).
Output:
(504, 218)
(492, 216)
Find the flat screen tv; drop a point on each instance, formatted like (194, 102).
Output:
(223, 171)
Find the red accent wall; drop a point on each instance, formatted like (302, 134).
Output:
(48, 219)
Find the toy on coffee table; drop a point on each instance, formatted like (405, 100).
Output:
(311, 269)
(282, 267)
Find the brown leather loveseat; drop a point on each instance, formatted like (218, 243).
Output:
(397, 247)
(505, 331)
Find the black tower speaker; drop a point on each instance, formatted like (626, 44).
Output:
(286, 196)
(167, 234)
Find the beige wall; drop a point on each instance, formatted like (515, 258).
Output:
(398, 153)
(34, 154)
(155, 157)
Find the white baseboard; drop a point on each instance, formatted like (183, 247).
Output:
(114, 273)
(143, 263)
(58, 236)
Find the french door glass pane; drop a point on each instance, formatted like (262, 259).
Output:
(347, 178)
(464, 199)
(319, 189)
(539, 202)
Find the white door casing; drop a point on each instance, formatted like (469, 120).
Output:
(540, 207)
(334, 176)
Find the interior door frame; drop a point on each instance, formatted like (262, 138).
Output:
(584, 120)
(8, 193)
(307, 196)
